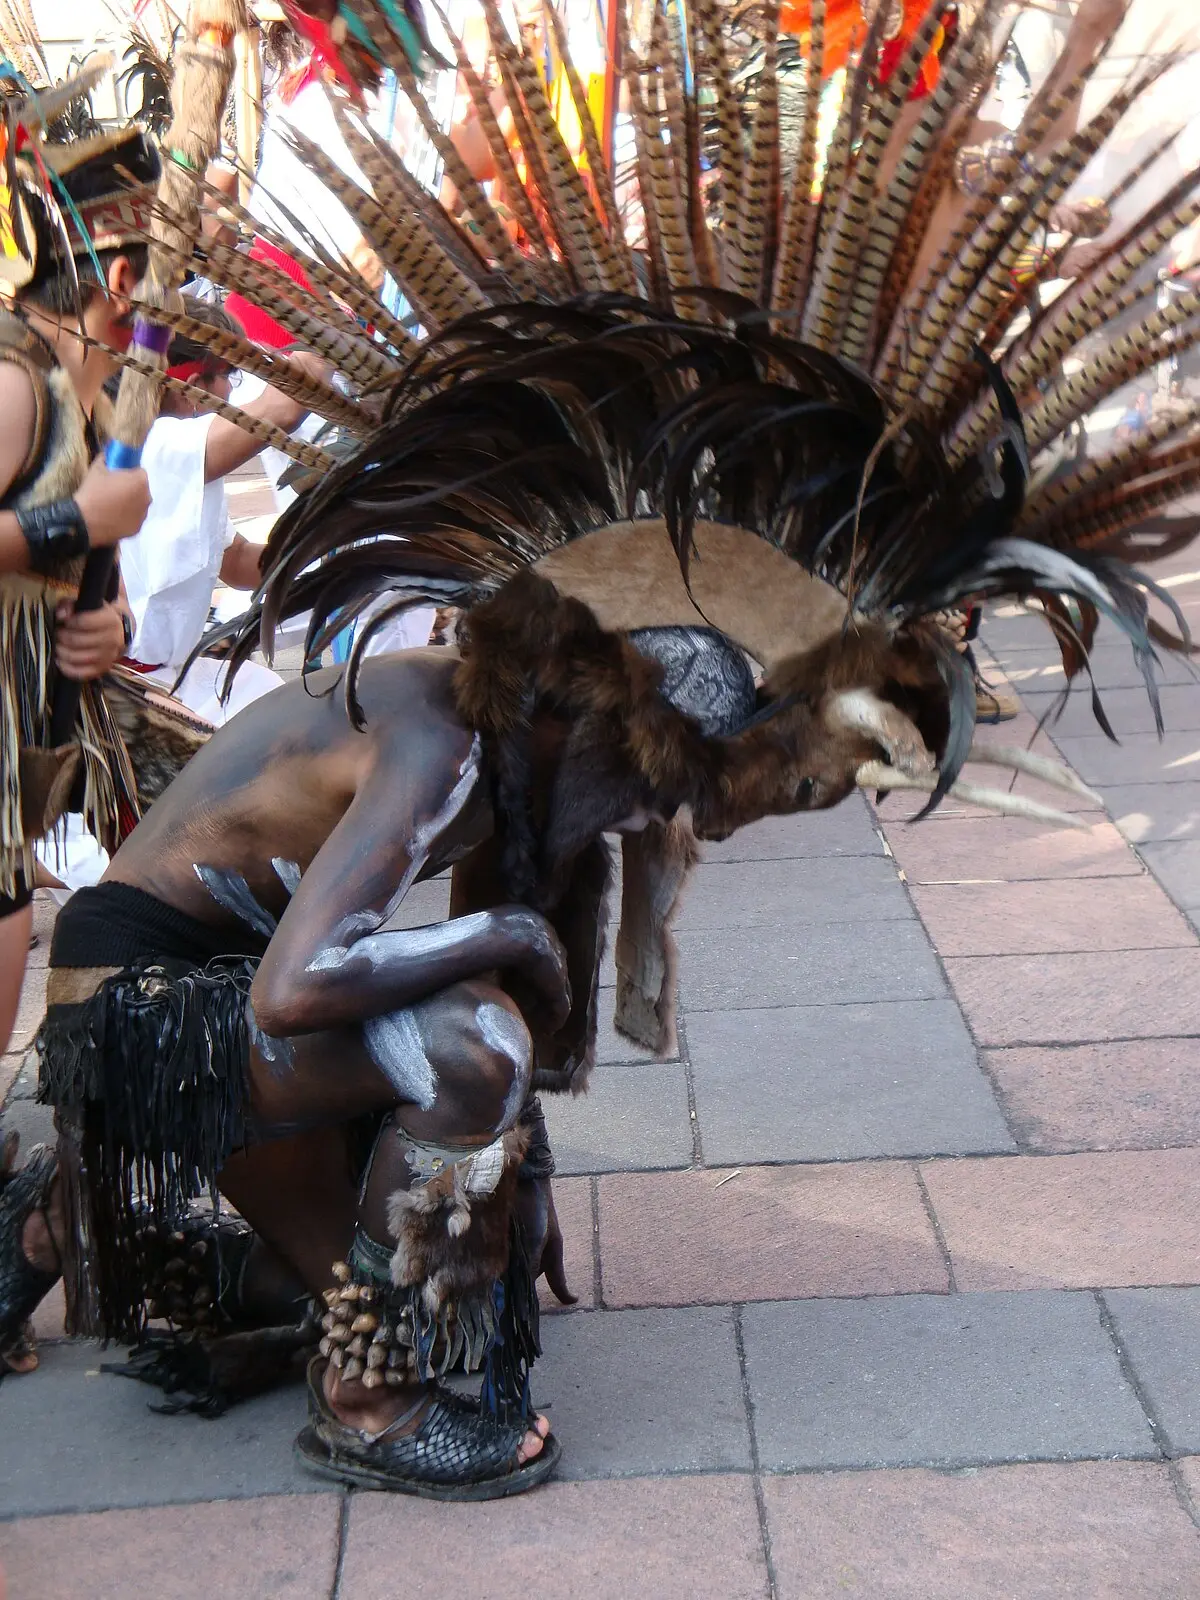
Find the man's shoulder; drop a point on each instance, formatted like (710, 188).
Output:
(26, 363)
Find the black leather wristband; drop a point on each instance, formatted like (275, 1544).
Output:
(54, 533)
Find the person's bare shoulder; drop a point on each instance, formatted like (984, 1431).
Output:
(18, 407)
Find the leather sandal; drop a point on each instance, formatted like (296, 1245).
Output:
(22, 1285)
(455, 1453)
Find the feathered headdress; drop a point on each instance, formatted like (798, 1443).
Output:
(65, 198)
(808, 401)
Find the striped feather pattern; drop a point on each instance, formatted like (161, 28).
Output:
(896, 281)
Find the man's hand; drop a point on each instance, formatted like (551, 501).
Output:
(113, 504)
(312, 365)
(88, 643)
(1080, 259)
(536, 952)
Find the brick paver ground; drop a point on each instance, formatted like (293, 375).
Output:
(889, 1285)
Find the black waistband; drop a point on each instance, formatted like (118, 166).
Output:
(116, 925)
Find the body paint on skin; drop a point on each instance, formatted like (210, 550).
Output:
(425, 836)
(395, 1045)
(288, 873)
(508, 1037)
(276, 1052)
(233, 894)
(438, 936)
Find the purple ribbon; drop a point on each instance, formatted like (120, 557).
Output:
(150, 336)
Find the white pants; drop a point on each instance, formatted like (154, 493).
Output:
(200, 690)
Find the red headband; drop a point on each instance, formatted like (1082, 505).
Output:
(185, 371)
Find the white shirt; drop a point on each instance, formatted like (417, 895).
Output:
(284, 179)
(171, 567)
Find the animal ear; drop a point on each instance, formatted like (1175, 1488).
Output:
(861, 711)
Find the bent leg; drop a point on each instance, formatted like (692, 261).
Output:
(16, 930)
(299, 1196)
(420, 1290)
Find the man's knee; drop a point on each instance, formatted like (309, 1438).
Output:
(464, 1062)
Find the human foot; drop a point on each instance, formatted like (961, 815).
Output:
(40, 1250)
(439, 1446)
(402, 1409)
(29, 1256)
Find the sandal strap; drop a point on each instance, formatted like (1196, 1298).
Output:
(22, 1285)
(453, 1444)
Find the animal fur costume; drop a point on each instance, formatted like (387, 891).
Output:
(762, 422)
(66, 198)
(758, 420)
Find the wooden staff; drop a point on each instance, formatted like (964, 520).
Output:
(204, 67)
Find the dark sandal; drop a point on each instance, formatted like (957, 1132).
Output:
(455, 1453)
(22, 1285)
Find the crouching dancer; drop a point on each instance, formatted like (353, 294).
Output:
(239, 1001)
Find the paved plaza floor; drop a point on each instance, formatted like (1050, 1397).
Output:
(889, 1284)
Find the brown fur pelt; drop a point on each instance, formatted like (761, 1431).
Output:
(900, 667)
(450, 1245)
(160, 734)
(655, 866)
(564, 1061)
(529, 647)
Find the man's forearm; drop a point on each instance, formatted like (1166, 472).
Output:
(344, 984)
(14, 547)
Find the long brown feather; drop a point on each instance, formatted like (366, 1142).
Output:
(482, 212)
(309, 455)
(506, 168)
(1034, 197)
(714, 62)
(597, 164)
(336, 279)
(281, 374)
(797, 233)
(897, 207)
(833, 287)
(758, 201)
(1064, 496)
(1133, 352)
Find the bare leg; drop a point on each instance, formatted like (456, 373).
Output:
(470, 1049)
(16, 929)
(298, 1196)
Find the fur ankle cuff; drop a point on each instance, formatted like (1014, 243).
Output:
(452, 1241)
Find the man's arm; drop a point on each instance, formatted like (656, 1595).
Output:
(113, 504)
(240, 564)
(333, 961)
(230, 447)
(19, 412)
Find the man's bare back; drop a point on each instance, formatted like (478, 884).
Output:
(277, 780)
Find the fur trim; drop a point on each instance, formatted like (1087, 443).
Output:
(564, 1062)
(529, 647)
(655, 866)
(159, 732)
(452, 1245)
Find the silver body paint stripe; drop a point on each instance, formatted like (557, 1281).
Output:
(425, 836)
(395, 1045)
(509, 1037)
